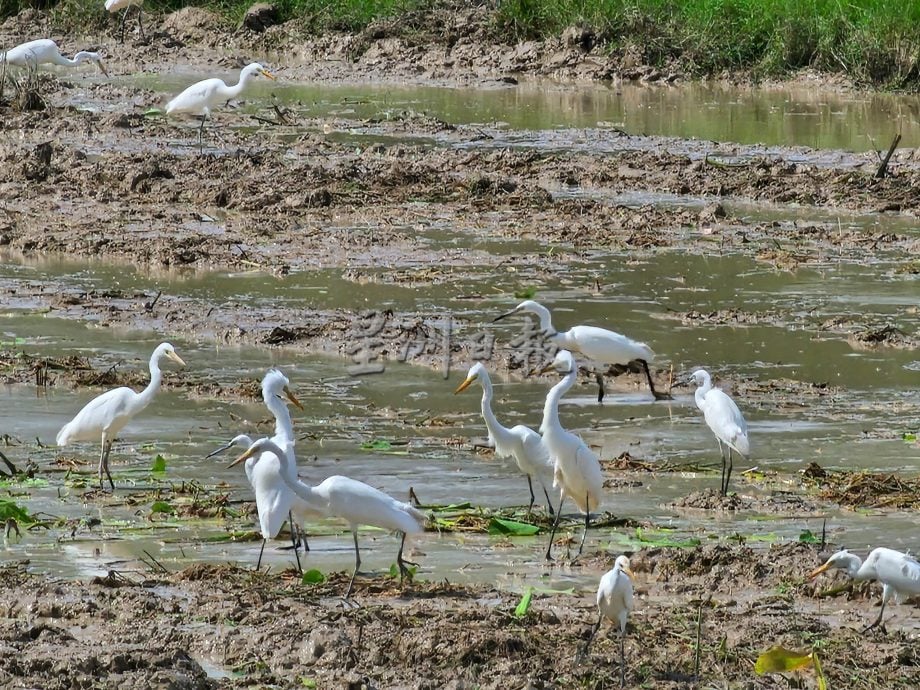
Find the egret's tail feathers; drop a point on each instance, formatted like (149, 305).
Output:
(63, 436)
(742, 445)
(417, 515)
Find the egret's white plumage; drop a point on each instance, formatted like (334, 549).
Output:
(104, 416)
(113, 6)
(519, 442)
(202, 96)
(43, 51)
(598, 344)
(615, 602)
(724, 419)
(898, 573)
(355, 502)
(576, 470)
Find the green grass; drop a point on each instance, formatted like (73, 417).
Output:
(872, 41)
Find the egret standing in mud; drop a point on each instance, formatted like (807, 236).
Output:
(355, 502)
(520, 442)
(898, 573)
(726, 421)
(113, 6)
(615, 602)
(275, 502)
(597, 344)
(104, 416)
(576, 470)
(44, 51)
(202, 96)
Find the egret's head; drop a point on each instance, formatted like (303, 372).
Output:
(476, 372)
(842, 560)
(622, 563)
(241, 440)
(699, 377)
(253, 450)
(89, 56)
(525, 306)
(276, 384)
(563, 363)
(256, 70)
(168, 351)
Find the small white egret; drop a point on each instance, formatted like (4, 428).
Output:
(597, 344)
(355, 502)
(898, 573)
(576, 470)
(725, 419)
(615, 602)
(107, 414)
(274, 500)
(113, 6)
(44, 51)
(202, 96)
(520, 442)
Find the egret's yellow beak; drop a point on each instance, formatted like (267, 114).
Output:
(628, 572)
(102, 67)
(266, 73)
(817, 571)
(290, 396)
(245, 456)
(176, 358)
(466, 384)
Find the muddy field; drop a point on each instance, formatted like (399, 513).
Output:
(286, 193)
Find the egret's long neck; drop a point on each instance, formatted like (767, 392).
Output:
(156, 377)
(551, 407)
(492, 423)
(67, 62)
(546, 319)
(304, 491)
(237, 89)
(701, 392)
(284, 427)
(854, 564)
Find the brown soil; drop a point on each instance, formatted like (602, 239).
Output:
(288, 197)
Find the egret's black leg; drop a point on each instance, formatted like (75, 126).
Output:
(200, 131)
(651, 384)
(294, 540)
(140, 24)
(552, 534)
(532, 497)
(351, 583)
(622, 659)
(597, 626)
(587, 520)
(601, 391)
(104, 463)
(261, 551)
(402, 562)
(878, 621)
(722, 457)
(549, 503)
(728, 475)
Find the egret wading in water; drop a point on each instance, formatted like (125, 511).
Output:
(615, 602)
(520, 442)
(202, 96)
(113, 6)
(355, 502)
(106, 415)
(726, 421)
(44, 51)
(275, 502)
(576, 470)
(898, 573)
(597, 344)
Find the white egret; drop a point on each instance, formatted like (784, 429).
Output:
(113, 6)
(107, 414)
(598, 344)
(576, 470)
(275, 502)
(202, 96)
(520, 442)
(898, 573)
(355, 502)
(44, 51)
(615, 602)
(725, 419)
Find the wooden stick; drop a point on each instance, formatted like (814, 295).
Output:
(883, 168)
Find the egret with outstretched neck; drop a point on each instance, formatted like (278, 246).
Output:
(44, 51)
(898, 573)
(106, 415)
(202, 96)
(615, 602)
(355, 502)
(576, 469)
(520, 442)
(598, 344)
(724, 419)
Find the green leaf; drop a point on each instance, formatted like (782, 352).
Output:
(377, 444)
(9, 509)
(153, 112)
(521, 610)
(526, 293)
(162, 507)
(781, 660)
(808, 537)
(394, 571)
(665, 541)
(819, 672)
(511, 527)
(312, 577)
(307, 682)
(909, 436)
(159, 464)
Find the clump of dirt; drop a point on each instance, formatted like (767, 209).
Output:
(710, 499)
(863, 489)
